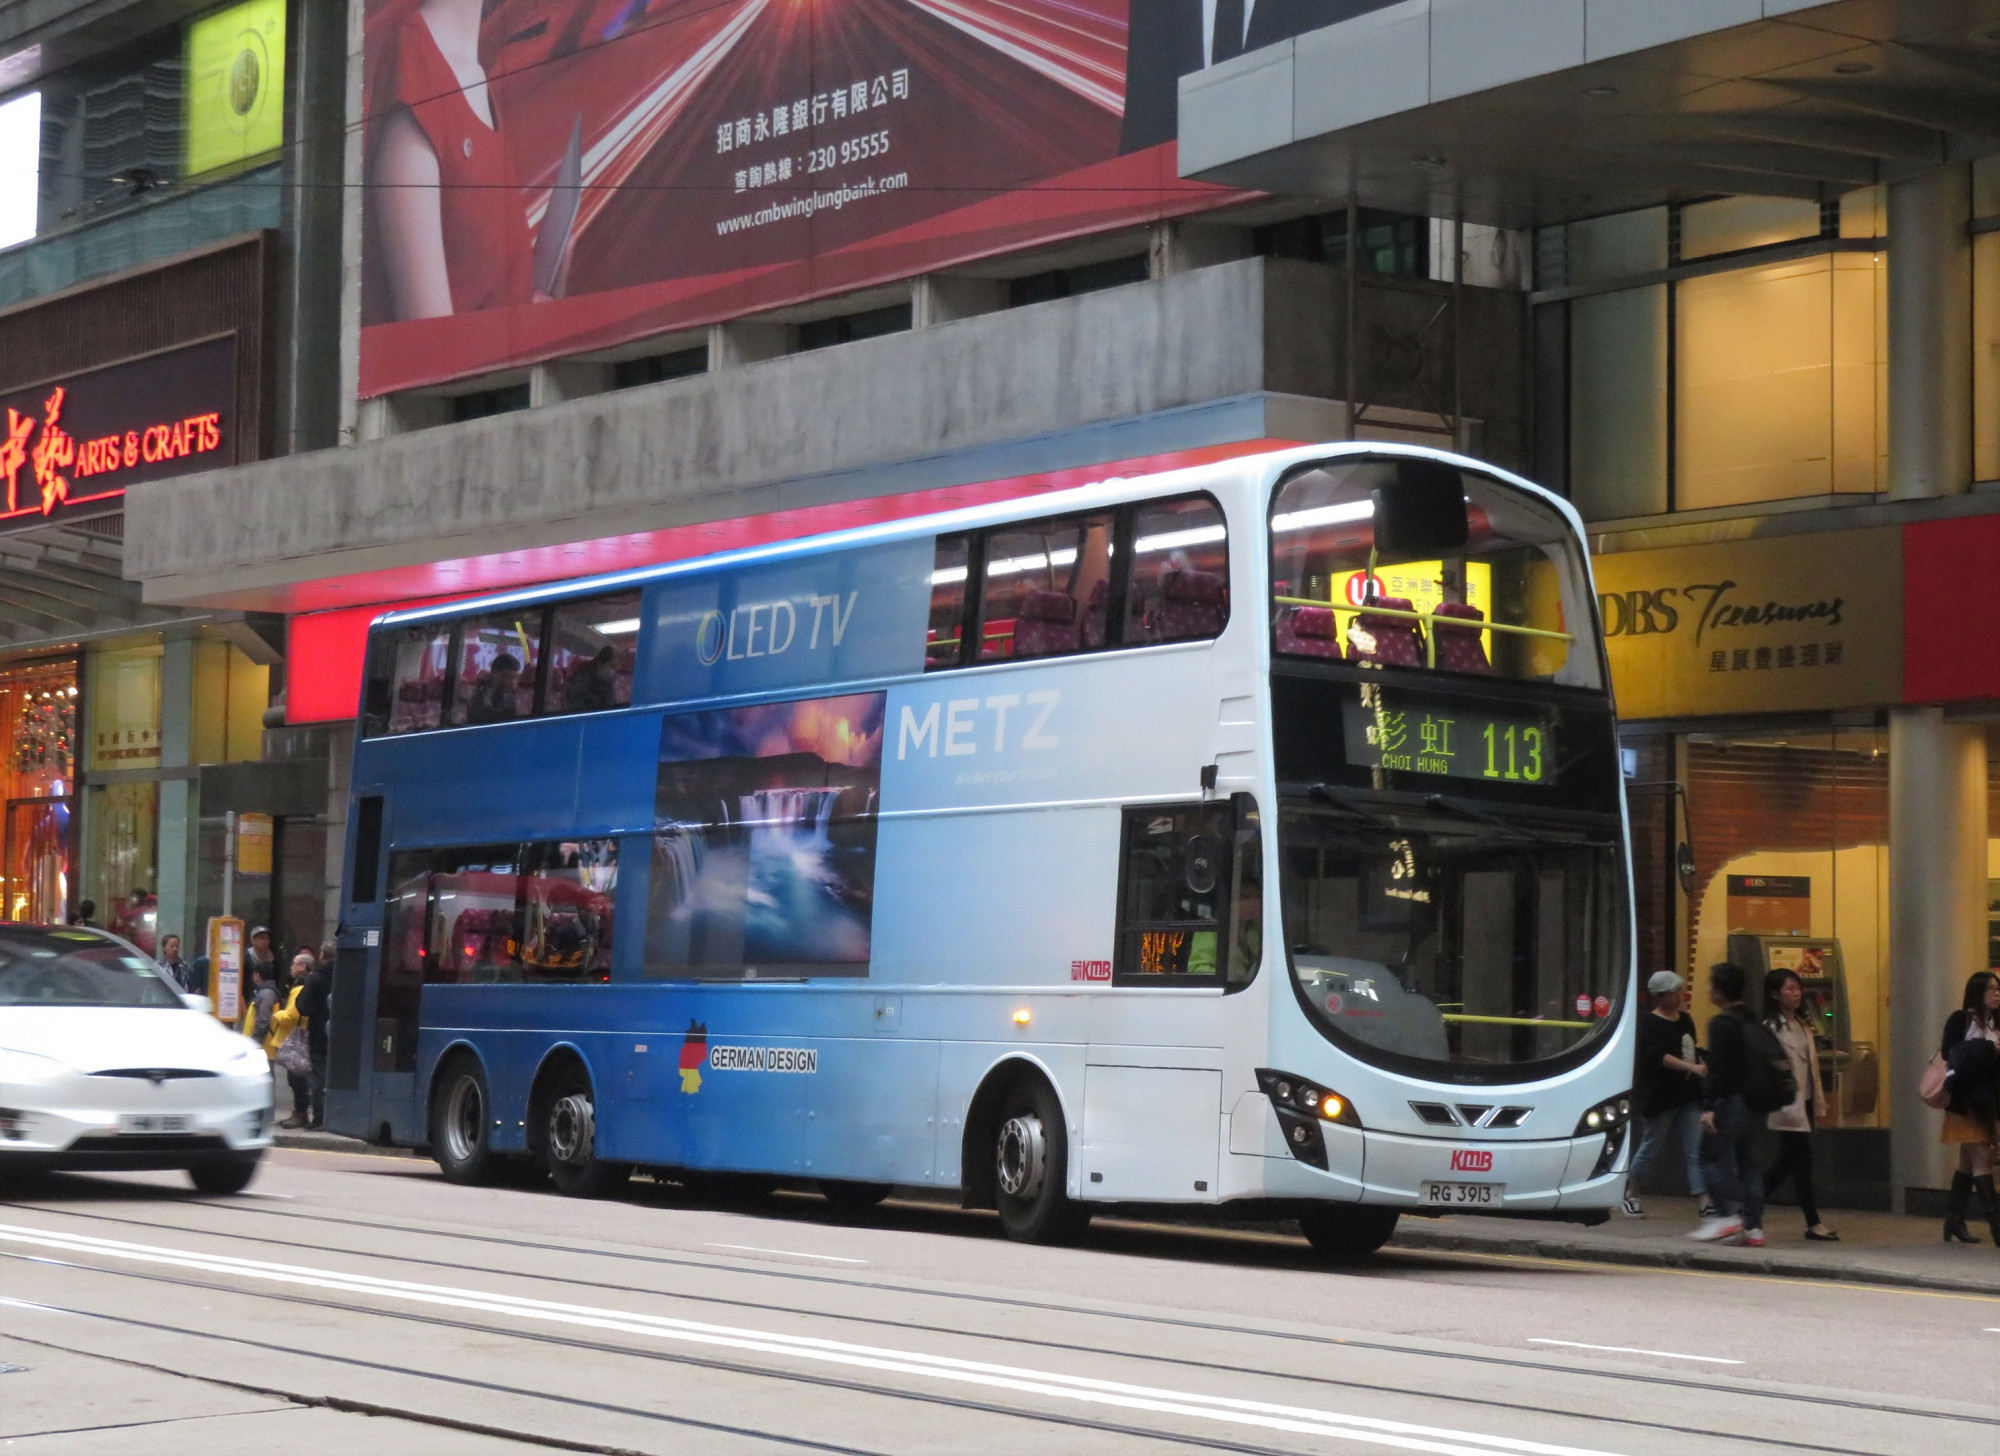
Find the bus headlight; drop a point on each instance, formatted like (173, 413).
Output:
(1303, 1109)
(1611, 1117)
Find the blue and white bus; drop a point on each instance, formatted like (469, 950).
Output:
(998, 851)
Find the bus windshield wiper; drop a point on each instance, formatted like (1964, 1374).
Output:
(1511, 829)
(1340, 799)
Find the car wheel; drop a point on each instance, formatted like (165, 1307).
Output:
(224, 1173)
(1345, 1233)
(461, 1124)
(569, 1143)
(1031, 1168)
(852, 1200)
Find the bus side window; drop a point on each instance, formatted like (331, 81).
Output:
(1175, 893)
(406, 678)
(592, 647)
(1046, 590)
(498, 659)
(944, 640)
(1179, 590)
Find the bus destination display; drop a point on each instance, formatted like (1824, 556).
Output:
(1384, 730)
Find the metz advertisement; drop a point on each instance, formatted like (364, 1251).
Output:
(764, 840)
(545, 176)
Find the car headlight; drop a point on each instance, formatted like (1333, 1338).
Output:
(20, 1066)
(250, 1062)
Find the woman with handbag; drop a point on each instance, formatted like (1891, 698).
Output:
(1969, 1114)
(1783, 996)
(286, 1045)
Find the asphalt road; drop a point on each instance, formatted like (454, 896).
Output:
(350, 1302)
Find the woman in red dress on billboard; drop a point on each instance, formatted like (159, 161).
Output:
(450, 227)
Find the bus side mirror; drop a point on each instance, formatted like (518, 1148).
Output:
(1423, 513)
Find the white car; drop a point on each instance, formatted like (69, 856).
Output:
(104, 1065)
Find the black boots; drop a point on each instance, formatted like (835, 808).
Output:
(1955, 1203)
(1989, 1204)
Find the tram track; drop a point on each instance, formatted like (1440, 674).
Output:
(1707, 1387)
(1593, 1415)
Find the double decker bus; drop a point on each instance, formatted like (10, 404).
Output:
(1250, 835)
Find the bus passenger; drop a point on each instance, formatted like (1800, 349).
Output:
(498, 699)
(593, 687)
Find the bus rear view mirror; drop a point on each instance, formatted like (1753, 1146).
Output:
(1423, 513)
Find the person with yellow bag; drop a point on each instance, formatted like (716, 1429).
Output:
(286, 1044)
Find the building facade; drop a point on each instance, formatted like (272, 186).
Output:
(1726, 273)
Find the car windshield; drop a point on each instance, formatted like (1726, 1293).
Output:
(62, 968)
(1448, 940)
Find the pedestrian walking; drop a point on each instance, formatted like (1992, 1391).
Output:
(1734, 1171)
(1666, 1086)
(181, 971)
(315, 1004)
(1970, 1036)
(1784, 993)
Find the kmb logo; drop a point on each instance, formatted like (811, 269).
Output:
(1471, 1160)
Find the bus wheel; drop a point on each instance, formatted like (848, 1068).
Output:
(1344, 1233)
(852, 1200)
(1031, 1169)
(460, 1124)
(571, 1141)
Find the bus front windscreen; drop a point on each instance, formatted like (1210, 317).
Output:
(1446, 942)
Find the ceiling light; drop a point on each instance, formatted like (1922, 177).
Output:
(620, 627)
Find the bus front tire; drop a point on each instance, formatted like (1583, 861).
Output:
(1344, 1233)
(570, 1141)
(461, 1126)
(1031, 1169)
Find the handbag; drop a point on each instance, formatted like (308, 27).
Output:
(1931, 1090)
(294, 1055)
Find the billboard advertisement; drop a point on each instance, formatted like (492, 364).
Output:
(552, 176)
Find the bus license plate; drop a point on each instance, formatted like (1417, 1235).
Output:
(143, 1122)
(1464, 1195)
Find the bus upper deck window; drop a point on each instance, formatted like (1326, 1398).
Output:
(406, 672)
(1179, 590)
(944, 639)
(593, 645)
(497, 662)
(1047, 587)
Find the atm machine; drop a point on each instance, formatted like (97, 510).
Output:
(1850, 1072)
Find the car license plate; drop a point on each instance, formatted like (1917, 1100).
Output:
(144, 1122)
(1463, 1195)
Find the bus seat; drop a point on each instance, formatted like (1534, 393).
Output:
(1458, 648)
(1308, 632)
(1380, 641)
(1094, 613)
(1193, 604)
(1046, 624)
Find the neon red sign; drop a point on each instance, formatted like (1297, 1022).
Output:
(91, 436)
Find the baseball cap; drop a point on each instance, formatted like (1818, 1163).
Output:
(260, 930)
(1662, 982)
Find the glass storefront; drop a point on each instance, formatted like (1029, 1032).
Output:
(37, 787)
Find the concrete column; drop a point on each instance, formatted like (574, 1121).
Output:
(566, 379)
(746, 341)
(940, 298)
(309, 343)
(1182, 246)
(1930, 334)
(177, 816)
(1937, 917)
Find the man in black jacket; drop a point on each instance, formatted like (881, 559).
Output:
(1729, 1157)
(315, 1006)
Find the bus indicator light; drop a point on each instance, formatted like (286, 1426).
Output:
(1022, 1017)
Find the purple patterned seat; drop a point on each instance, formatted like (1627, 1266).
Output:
(1308, 632)
(1193, 605)
(1376, 640)
(1046, 624)
(1458, 648)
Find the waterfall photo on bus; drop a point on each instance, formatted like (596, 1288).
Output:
(764, 838)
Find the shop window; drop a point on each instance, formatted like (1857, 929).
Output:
(1191, 894)
(37, 780)
(1780, 381)
(1046, 587)
(1790, 836)
(498, 657)
(1618, 403)
(944, 639)
(406, 672)
(592, 650)
(1622, 245)
(1730, 224)
(1179, 587)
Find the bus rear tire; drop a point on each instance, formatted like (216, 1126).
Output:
(1031, 1169)
(461, 1126)
(1345, 1233)
(570, 1142)
(852, 1200)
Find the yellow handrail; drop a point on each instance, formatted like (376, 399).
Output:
(1425, 620)
(1511, 1021)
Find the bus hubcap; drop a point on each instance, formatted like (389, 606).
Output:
(463, 1120)
(1023, 1156)
(572, 1127)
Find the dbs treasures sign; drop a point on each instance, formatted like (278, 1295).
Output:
(68, 446)
(1786, 624)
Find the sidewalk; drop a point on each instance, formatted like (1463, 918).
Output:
(1874, 1248)
(333, 1142)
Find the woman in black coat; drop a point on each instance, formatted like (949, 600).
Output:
(1969, 1120)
